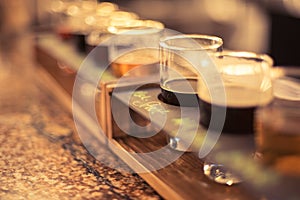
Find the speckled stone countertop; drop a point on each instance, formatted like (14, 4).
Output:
(41, 156)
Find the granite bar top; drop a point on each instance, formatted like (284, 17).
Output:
(41, 155)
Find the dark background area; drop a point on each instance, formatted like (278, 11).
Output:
(261, 26)
(283, 34)
(285, 39)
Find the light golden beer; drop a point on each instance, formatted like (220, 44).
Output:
(125, 64)
(278, 139)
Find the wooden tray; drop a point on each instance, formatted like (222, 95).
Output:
(182, 179)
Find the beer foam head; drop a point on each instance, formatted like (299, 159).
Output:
(245, 79)
(236, 96)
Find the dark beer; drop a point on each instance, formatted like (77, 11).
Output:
(237, 120)
(180, 92)
(241, 104)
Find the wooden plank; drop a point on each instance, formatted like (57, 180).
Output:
(182, 179)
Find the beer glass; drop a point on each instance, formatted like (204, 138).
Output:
(180, 56)
(134, 44)
(278, 135)
(178, 77)
(247, 82)
(246, 79)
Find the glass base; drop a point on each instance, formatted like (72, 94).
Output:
(220, 174)
(176, 144)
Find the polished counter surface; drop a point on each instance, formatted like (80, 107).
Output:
(41, 155)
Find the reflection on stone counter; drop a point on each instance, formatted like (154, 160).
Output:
(41, 156)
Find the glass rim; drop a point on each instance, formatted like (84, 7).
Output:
(246, 55)
(163, 42)
(135, 27)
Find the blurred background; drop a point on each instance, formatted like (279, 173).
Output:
(262, 26)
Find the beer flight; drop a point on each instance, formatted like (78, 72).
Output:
(194, 71)
(244, 76)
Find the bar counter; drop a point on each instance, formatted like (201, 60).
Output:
(41, 156)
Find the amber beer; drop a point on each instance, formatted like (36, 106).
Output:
(125, 64)
(241, 104)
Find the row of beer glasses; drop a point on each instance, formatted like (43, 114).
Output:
(226, 86)
(238, 93)
(193, 67)
(87, 21)
(243, 77)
